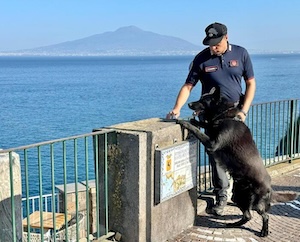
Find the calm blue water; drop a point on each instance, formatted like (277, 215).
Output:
(44, 98)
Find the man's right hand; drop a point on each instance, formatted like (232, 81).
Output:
(173, 115)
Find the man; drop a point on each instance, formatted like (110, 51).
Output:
(224, 65)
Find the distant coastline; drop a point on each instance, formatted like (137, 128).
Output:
(117, 54)
(125, 41)
(175, 53)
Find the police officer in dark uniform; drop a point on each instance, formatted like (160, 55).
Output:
(220, 65)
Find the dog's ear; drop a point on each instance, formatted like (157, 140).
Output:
(212, 91)
(216, 93)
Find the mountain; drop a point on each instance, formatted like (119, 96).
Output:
(124, 41)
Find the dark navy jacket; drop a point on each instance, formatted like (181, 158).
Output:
(225, 71)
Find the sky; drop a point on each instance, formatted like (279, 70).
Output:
(271, 25)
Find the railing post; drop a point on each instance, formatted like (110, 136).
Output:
(291, 131)
(103, 142)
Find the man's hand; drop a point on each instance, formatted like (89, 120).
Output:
(242, 115)
(173, 114)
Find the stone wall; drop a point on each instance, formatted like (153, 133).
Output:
(6, 213)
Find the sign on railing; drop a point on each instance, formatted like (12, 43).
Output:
(175, 169)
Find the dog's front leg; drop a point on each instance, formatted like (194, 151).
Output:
(203, 138)
(211, 146)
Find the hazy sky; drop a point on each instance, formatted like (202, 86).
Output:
(255, 24)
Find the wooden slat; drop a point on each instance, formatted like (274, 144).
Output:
(47, 220)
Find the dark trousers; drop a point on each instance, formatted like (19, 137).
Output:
(219, 179)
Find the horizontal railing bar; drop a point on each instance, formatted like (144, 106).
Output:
(36, 197)
(55, 141)
(272, 102)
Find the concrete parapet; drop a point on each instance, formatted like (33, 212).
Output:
(131, 183)
(70, 202)
(92, 205)
(6, 213)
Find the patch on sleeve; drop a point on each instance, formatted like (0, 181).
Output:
(233, 63)
(210, 68)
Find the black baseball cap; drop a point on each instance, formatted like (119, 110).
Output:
(214, 33)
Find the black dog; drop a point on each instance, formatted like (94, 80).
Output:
(230, 141)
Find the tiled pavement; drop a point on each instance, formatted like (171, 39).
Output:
(284, 219)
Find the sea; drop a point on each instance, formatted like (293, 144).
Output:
(45, 98)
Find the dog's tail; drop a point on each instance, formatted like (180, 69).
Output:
(281, 197)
